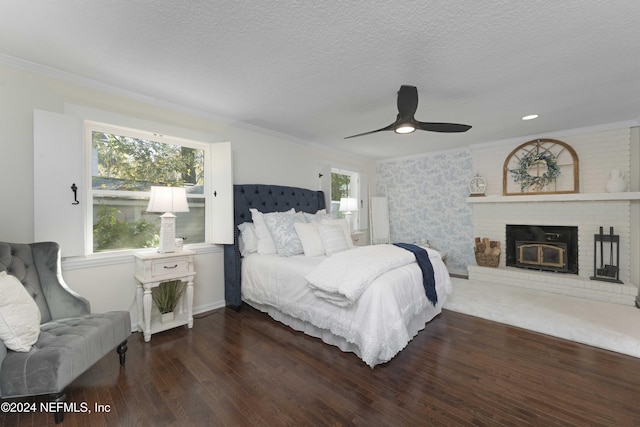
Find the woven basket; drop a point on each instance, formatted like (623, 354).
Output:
(485, 260)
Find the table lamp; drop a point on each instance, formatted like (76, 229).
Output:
(168, 200)
(348, 205)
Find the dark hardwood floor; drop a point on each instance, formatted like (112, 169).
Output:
(243, 369)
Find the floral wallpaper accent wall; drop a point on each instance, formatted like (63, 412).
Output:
(427, 202)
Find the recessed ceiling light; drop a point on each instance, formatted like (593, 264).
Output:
(530, 117)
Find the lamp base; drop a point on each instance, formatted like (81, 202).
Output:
(349, 217)
(167, 233)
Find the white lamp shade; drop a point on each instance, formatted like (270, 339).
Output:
(348, 204)
(168, 199)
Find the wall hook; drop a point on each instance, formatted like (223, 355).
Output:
(74, 188)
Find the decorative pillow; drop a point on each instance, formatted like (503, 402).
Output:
(333, 238)
(266, 245)
(309, 236)
(19, 315)
(248, 241)
(282, 228)
(315, 217)
(345, 227)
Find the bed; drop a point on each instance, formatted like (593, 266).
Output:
(375, 322)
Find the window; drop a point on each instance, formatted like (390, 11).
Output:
(125, 163)
(345, 184)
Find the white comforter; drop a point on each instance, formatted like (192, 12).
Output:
(343, 277)
(381, 322)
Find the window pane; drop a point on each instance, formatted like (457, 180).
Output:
(133, 164)
(123, 166)
(124, 223)
(339, 189)
(190, 225)
(339, 186)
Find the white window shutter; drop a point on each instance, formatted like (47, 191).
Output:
(58, 164)
(222, 192)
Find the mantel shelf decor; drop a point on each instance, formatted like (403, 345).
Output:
(541, 166)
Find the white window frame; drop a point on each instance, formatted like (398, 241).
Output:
(91, 126)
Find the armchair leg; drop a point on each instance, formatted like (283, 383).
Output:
(122, 349)
(58, 416)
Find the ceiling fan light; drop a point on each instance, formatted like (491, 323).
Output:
(404, 128)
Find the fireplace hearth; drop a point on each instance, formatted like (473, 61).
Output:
(542, 247)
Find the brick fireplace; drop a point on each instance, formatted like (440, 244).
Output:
(491, 215)
(591, 208)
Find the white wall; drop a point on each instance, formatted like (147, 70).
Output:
(258, 157)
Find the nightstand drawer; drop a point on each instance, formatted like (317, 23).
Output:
(169, 266)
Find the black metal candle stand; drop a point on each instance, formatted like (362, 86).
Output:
(606, 272)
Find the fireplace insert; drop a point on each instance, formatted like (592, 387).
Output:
(548, 248)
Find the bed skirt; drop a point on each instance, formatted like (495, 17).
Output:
(416, 324)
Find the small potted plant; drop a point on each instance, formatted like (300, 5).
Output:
(166, 297)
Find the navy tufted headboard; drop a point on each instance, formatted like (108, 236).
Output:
(265, 198)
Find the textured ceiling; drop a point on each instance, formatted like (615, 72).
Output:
(322, 70)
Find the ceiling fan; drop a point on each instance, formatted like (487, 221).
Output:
(406, 123)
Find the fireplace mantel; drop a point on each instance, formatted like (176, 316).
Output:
(569, 197)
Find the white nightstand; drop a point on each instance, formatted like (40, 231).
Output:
(153, 268)
(443, 254)
(360, 237)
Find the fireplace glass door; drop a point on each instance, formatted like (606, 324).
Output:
(533, 254)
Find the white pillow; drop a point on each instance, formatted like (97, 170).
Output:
(19, 315)
(333, 238)
(322, 213)
(266, 245)
(282, 229)
(309, 236)
(345, 227)
(248, 240)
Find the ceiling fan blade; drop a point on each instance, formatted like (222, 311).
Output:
(407, 101)
(443, 127)
(390, 127)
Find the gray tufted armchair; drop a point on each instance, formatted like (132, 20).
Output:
(71, 338)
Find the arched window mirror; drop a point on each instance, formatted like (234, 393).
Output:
(541, 166)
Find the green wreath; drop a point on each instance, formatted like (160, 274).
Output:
(526, 180)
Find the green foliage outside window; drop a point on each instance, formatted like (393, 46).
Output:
(132, 164)
(111, 233)
(339, 186)
(129, 164)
